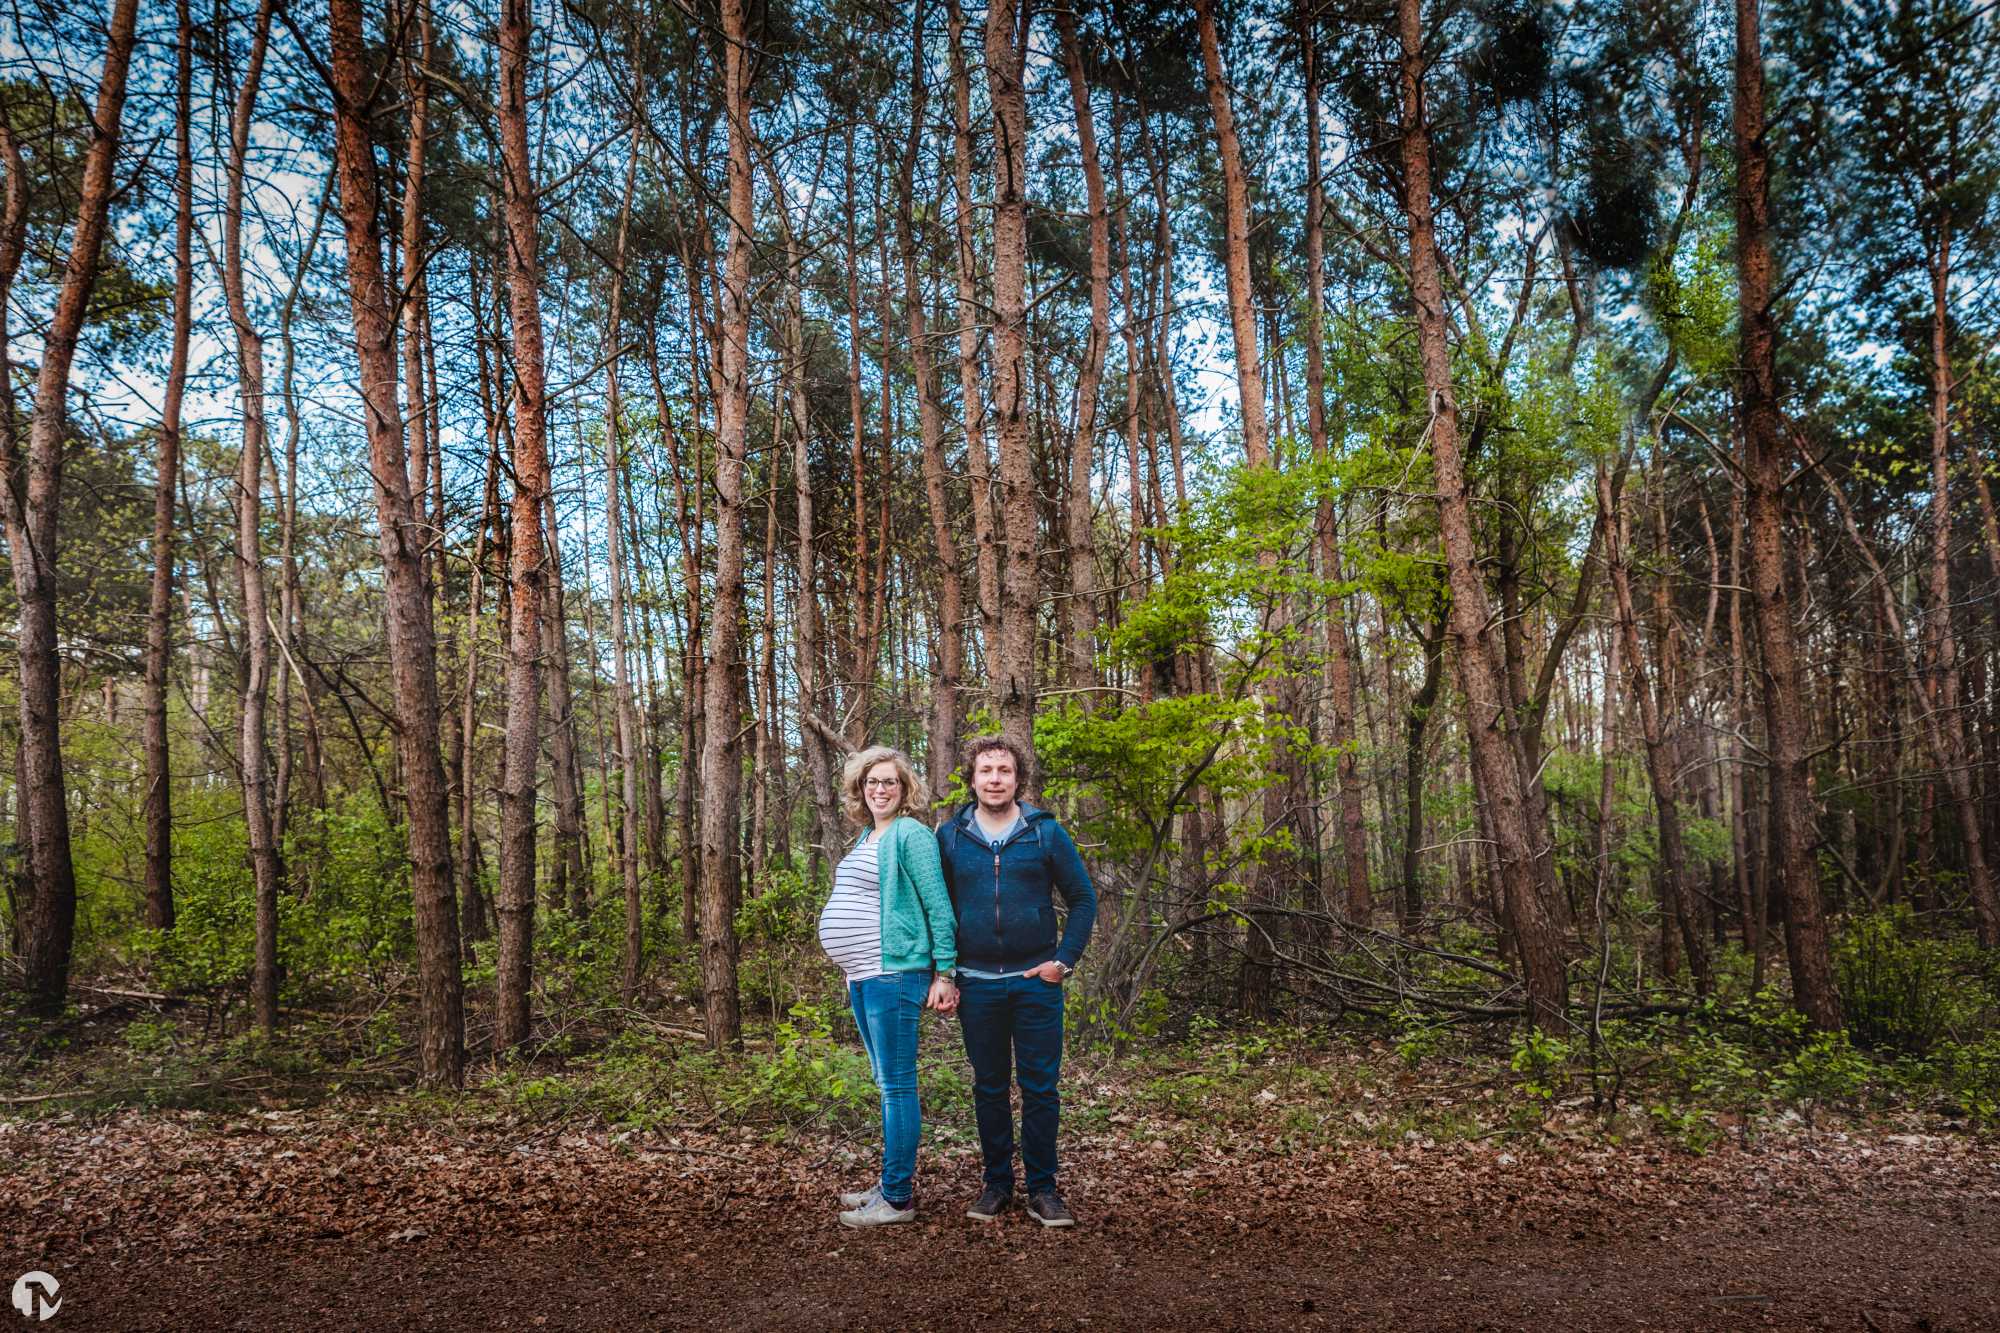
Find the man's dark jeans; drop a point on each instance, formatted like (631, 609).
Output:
(1013, 1027)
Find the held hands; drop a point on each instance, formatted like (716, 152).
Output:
(943, 996)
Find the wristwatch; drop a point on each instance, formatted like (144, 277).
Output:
(948, 974)
(1066, 968)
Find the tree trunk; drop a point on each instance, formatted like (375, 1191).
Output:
(1012, 669)
(412, 645)
(1082, 618)
(159, 615)
(48, 916)
(253, 758)
(1411, 907)
(1764, 473)
(1953, 757)
(1660, 765)
(721, 751)
(943, 747)
(568, 888)
(1275, 867)
(978, 454)
(1486, 708)
(1339, 669)
(628, 712)
(528, 566)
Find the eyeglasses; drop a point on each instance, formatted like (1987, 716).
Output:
(883, 782)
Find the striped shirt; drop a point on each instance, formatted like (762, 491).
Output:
(850, 925)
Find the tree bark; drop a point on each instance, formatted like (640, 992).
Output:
(48, 915)
(1012, 669)
(1082, 618)
(721, 751)
(1764, 473)
(972, 393)
(1277, 867)
(412, 642)
(528, 564)
(1480, 682)
(1954, 757)
(943, 747)
(1339, 668)
(568, 887)
(628, 712)
(253, 757)
(1660, 766)
(159, 613)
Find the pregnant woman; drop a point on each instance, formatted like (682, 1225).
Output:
(889, 927)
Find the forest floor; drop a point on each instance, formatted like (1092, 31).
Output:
(356, 1217)
(1242, 1180)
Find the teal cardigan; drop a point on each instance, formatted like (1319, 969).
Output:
(919, 927)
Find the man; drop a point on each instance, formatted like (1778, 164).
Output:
(1004, 861)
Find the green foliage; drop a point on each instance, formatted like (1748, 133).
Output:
(808, 1075)
(1968, 1074)
(1900, 990)
(213, 936)
(785, 909)
(1538, 1058)
(1418, 1035)
(1237, 553)
(1826, 1069)
(1691, 296)
(355, 923)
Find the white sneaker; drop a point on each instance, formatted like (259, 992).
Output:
(861, 1198)
(879, 1212)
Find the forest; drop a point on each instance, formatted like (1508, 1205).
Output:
(1479, 512)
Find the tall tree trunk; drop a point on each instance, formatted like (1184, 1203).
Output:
(721, 751)
(1082, 618)
(412, 642)
(569, 887)
(527, 563)
(628, 712)
(1012, 669)
(48, 915)
(253, 758)
(972, 394)
(1764, 472)
(827, 834)
(1660, 765)
(159, 614)
(1339, 668)
(1480, 682)
(1954, 757)
(688, 508)
(942, 751)
(415, 287)
(1276, 868)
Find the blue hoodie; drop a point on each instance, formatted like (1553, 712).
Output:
(1005, 896)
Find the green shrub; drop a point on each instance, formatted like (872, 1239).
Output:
(1538, 1058)
(1969, 1075)
(1826, 1069)
(808, 1076)
(1900, 990)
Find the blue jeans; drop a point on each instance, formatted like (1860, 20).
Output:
(886, 1010)
(1013, 1029)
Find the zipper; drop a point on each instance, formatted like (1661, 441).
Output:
(996, 892)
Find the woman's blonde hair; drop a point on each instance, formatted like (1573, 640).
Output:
(855, 772)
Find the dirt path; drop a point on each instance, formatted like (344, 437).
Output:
(300, 1225)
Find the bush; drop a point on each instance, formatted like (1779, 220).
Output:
(1826, 1069)
(1899, 989)
(1969, 1075)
